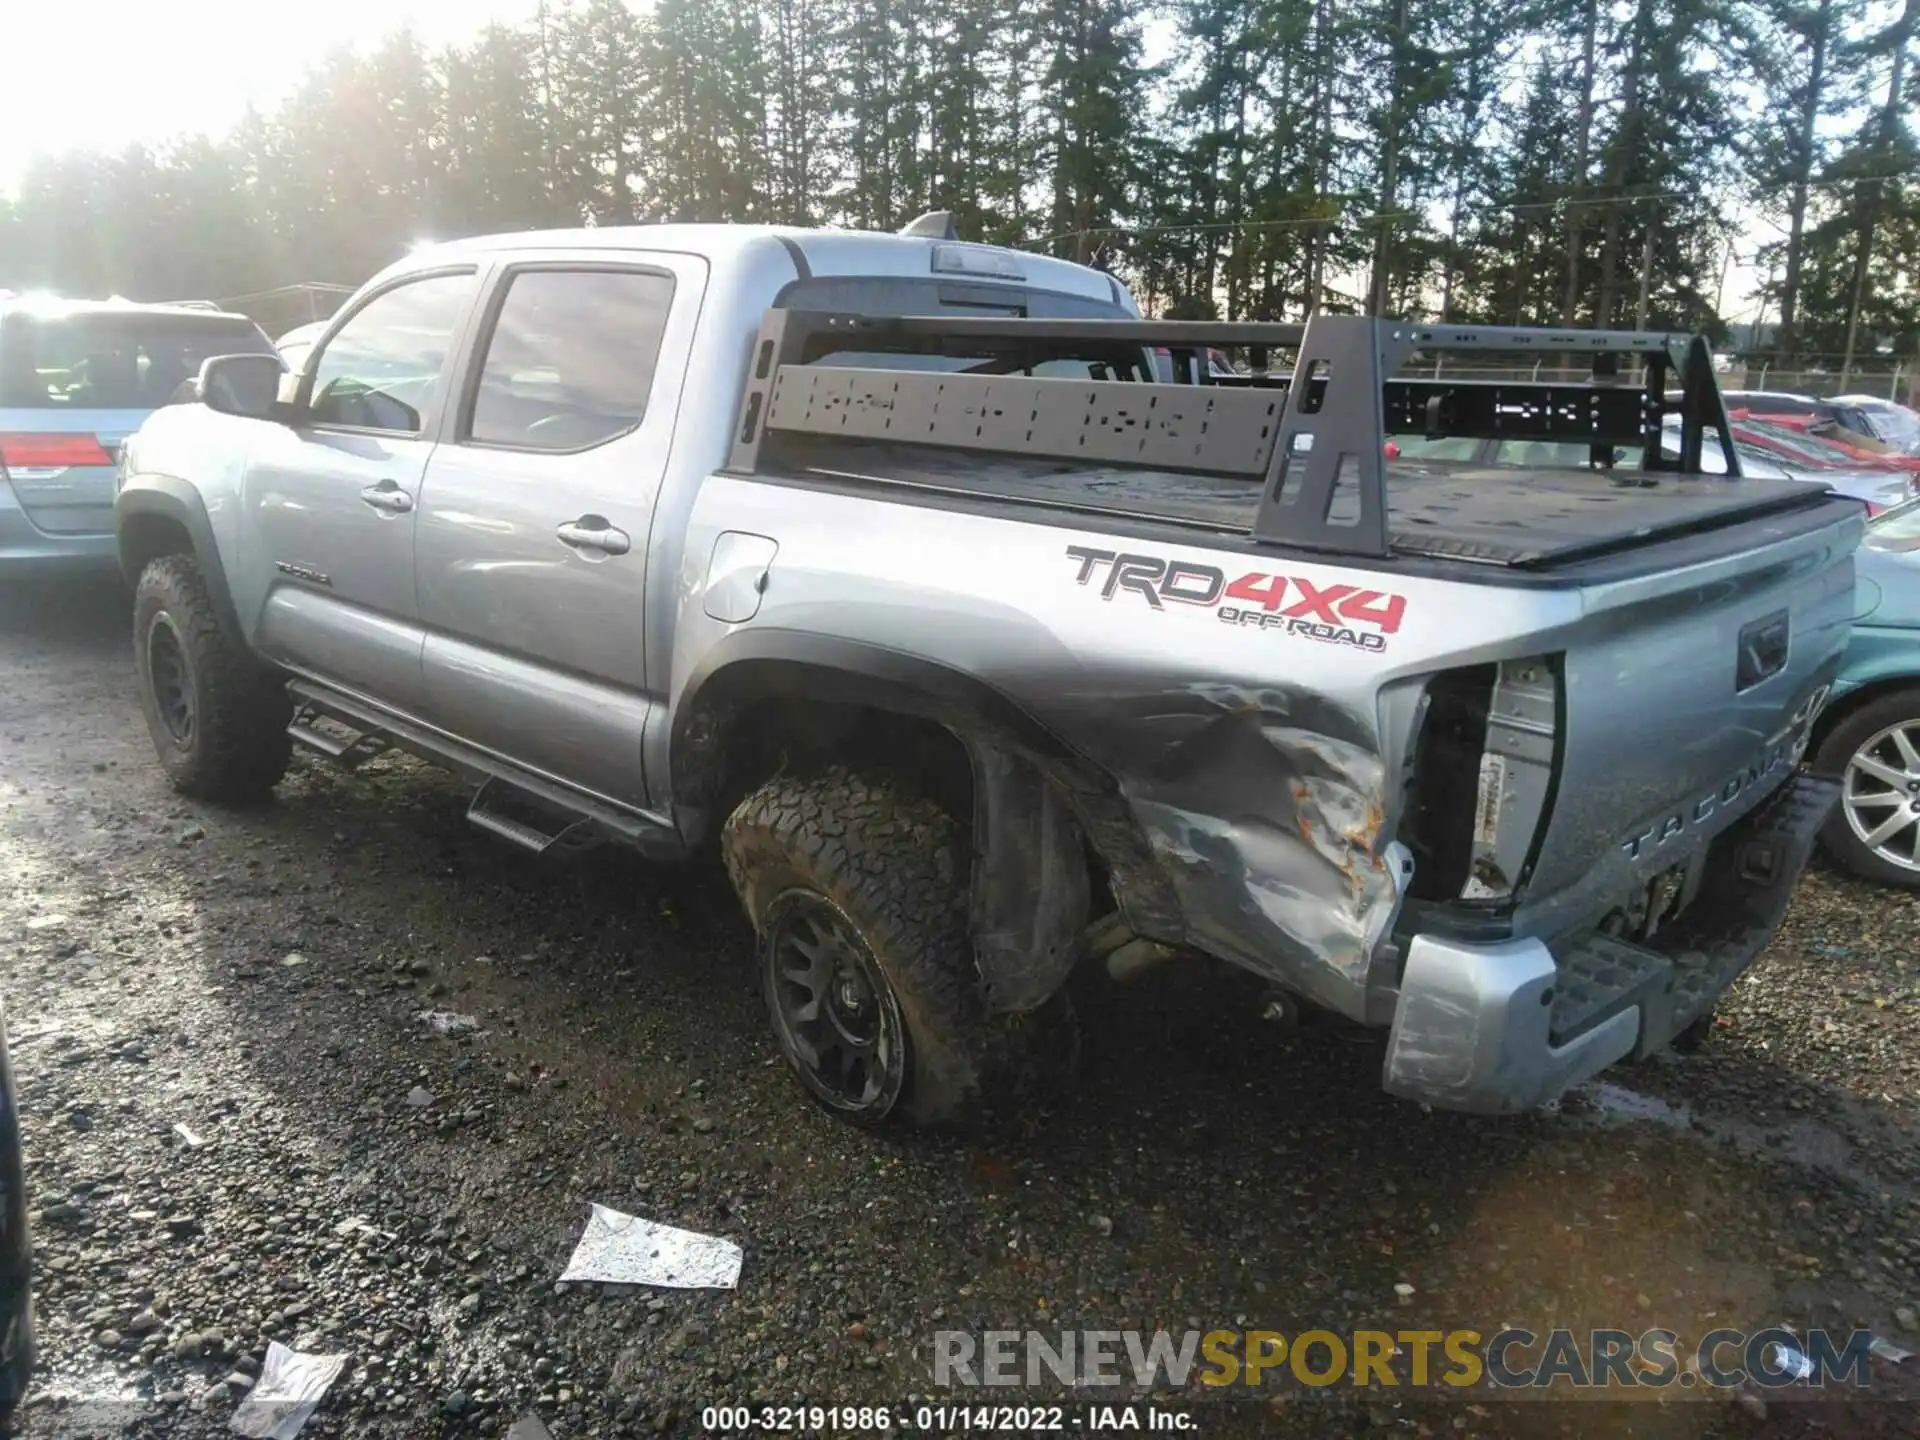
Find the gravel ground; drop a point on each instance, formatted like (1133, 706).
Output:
(257, 977)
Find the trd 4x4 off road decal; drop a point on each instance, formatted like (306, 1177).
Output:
(1332, 614)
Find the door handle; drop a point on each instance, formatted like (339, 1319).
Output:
(389, 497)
(592, 532)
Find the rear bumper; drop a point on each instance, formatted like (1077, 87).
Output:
(27, 549)
(1501, 1028)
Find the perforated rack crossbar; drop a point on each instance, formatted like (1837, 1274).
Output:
(1314, 437)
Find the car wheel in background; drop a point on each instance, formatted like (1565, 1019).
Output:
(1875, 754)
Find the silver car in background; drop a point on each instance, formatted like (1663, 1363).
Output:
(294, 345)
(77, 377)
(1877, 489)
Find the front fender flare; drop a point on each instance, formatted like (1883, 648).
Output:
(152, 498)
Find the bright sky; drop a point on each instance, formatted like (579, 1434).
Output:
(154, 72)
(92, 76)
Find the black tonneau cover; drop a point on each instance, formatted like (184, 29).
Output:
(1296, 460)
(1488, 515)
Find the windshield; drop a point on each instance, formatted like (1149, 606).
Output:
(108, 361)
(1895, 424)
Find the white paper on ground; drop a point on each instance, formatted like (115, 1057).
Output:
(290, 1389)
(447, 1022)
(626, 1250)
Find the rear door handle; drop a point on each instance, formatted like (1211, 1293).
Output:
(592, 532)
(389, 497)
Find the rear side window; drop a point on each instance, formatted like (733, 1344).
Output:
(113, 361)
(571, 359)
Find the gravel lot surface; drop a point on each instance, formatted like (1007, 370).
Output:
(257, 976)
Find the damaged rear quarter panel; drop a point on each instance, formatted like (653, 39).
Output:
(1260, 756)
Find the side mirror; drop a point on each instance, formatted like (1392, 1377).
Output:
(244, 385)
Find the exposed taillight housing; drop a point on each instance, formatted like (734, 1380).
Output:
(1486, 763)
(51, 452)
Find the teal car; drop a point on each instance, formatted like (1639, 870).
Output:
(1869, 734)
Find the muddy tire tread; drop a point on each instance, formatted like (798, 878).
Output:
(242, 748)
(893, 862)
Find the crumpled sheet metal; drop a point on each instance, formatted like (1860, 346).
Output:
(290, 1389)
(1270, 813)
(626, 1250)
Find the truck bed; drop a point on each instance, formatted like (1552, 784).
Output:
(1497, 516)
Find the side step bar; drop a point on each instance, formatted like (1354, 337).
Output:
(500, 810)
(520, 806)
(349, 752)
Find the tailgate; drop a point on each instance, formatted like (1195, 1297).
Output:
(61, 464)
(1687, 697)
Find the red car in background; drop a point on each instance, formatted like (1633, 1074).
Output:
(1814, 443)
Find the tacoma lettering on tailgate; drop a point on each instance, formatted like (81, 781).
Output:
(1333, 614)
(1783, 750)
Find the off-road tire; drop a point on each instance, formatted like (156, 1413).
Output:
(895, 865)
(236, 746)
(1836, 750)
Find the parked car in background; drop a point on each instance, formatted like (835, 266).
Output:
(1838, 438)
(76, 379)
(1880, 422)
(1763, 455)
(1869, 735)
(1881, 480)
(294, 345)
(1894, 425)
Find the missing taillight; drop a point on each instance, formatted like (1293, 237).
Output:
(1484, 770)
(51, 452)
(1443, 791)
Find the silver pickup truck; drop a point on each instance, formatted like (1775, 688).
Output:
(900, 567)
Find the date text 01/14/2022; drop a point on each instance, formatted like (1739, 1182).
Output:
(1332, 613)
(944, 1419)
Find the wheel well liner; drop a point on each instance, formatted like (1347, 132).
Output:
(151, 518)
(754, 665)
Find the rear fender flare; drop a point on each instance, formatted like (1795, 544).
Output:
(1017, 763)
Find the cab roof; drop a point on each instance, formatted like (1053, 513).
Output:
(824, 252)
